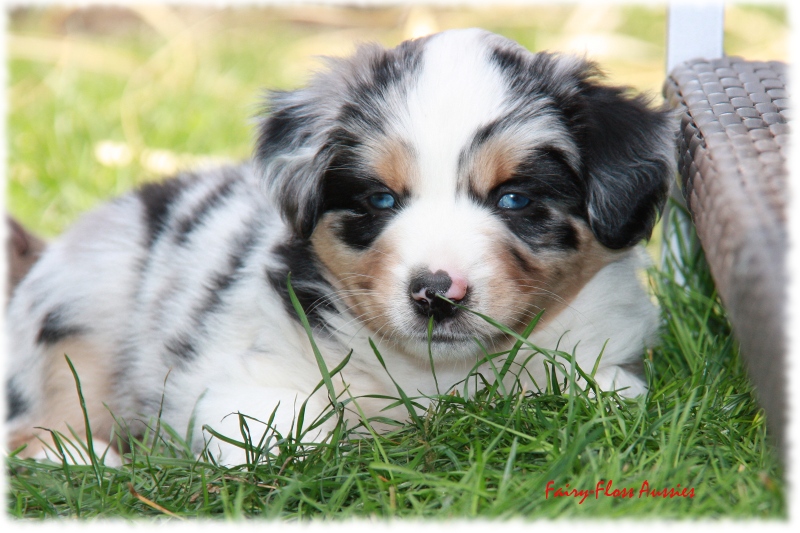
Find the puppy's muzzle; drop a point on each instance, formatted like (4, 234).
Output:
(426, 286)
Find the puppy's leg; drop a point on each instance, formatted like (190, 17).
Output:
(50, 401)
(220, 407)
(622, 379)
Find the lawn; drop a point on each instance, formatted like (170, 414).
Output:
(102, 100)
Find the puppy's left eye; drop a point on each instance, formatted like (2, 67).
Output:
(513, 201)
(382, 200)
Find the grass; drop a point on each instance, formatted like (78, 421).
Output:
(94, 112)
(494, 455)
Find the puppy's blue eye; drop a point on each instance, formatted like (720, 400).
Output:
(382, 200)
(513, 201)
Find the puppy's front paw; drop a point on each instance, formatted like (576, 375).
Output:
(73, 453)
(626, 383)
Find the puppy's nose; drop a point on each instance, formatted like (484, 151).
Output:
(426, 285)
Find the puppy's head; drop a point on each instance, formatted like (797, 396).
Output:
(463, 166)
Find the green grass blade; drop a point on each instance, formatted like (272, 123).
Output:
(412, 412)
(430, 354)
(323, 368)
(89, 438)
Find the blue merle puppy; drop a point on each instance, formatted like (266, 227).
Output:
(456, 168)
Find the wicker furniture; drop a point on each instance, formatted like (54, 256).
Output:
(732, 153)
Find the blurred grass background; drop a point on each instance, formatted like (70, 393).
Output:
(103, 98)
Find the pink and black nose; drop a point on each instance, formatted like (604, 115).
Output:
(426, 285)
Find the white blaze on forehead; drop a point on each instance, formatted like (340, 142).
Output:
(451, 234)
(457, 91)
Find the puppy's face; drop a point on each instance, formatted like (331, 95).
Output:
(463, 168)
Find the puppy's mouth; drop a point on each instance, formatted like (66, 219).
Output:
(449, 341)
(444, 337)
(456, 331)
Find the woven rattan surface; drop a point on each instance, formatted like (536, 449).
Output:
(732, 154)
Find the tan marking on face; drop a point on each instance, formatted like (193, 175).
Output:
(362, 278)
(395, 166)
(494, 163)
(550, 281)
(60, 408)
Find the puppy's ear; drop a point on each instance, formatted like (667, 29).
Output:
(629, 158)
(292, 155)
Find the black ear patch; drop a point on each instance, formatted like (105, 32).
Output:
(628, 155)
(289, 151)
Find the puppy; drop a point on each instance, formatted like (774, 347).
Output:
(451, 176)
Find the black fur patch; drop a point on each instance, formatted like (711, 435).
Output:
(347, 187)
(55, 329)
(157, 199)
(394, 65)
(221, 282)
(218, 284)
(530, 77)
(541, 228)
(555, 194)
(216, 198)
(365, 109)
(181, 348)
(289, 127)
(16, 404)
(626, 166)
(312, 290)
(364, 116)
(286, 127)
(547, 176)
(635, 367)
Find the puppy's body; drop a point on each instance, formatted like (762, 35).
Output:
(458, 166)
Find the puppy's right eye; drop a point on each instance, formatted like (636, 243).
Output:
(513, 201)
(382, 200)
